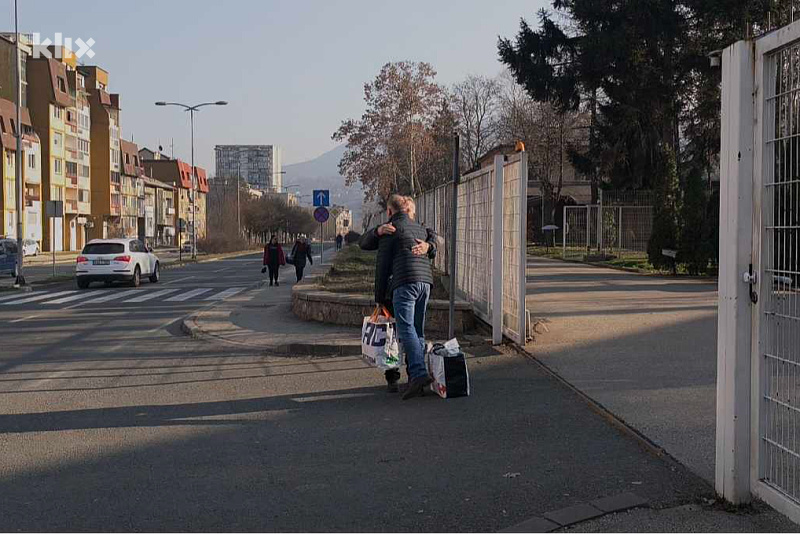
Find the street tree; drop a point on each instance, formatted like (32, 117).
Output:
(475, 102)
(391, 147)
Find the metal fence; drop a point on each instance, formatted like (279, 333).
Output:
(606, 231)
(482, 281)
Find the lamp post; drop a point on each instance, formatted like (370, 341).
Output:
(191, 110)
(20, 280)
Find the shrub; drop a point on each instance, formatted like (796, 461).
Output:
(216, 244)
(352, 237)
(693, 250)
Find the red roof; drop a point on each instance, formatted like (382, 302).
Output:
(185, 171)
(202, 179)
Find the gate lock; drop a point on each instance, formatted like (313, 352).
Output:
(751, 278)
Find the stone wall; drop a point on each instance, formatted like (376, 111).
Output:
(311, 303)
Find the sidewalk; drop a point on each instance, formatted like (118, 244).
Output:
(642, 346)
(262, 320)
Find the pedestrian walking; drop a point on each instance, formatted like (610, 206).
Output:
(273, 259)
(339, 240)
(403, 280)
(300, 253)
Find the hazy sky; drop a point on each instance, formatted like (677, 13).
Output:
(291, 70)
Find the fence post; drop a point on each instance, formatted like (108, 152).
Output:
(619, 243)
(453, 234)
(734, 335)
(588, 231)
(523, 236)
(497, 252)
(564, 232)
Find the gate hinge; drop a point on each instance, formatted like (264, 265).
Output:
(750, 277)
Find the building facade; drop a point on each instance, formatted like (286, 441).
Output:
(31, 174)
(261, 166)
(77, 166)
(130, 189)
(179, 175)
(105, 155)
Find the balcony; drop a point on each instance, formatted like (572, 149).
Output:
(85, 208)
(71, 206)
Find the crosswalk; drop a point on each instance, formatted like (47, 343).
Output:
(126, 296)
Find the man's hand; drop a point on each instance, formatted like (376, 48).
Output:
(421, 248)
(386, 229)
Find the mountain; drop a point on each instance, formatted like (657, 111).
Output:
(322, 172)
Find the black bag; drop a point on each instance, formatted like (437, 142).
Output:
(290, 259)
(447, 366)
(263, 270)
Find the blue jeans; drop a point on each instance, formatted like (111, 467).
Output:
(410, 302)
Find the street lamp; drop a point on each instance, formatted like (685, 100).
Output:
(20, 200)
(191, 110)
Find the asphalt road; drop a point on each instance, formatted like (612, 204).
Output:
(112, 420)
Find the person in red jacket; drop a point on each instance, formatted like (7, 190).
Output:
(273, 259)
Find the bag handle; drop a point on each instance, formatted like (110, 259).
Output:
(380, 310)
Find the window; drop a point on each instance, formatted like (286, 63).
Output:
(83, 195)
(127, 159)
(70, 116)
(13, 127)
(136, 246)
(83, 171)
(72, 168)
(57, 166)
(57, 140)
(56, 193)
(2, 125)
(61, 85)
(31, 161)
(104, 248)
(9, 159)
(58, 112)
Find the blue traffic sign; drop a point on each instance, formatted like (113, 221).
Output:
(321, 214)
(322, 197)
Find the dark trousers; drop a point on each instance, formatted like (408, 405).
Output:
(298, 270)
(273, 272)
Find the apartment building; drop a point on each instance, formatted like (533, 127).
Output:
(105, 155)
(260, 166)
(159, 209)
(131, 187)
(179, 174)
(31, 174)
(48, 101)
(77, 167)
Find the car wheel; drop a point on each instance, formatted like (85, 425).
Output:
(137, 277)
(156, 274)
(83, 284)
(36, 251)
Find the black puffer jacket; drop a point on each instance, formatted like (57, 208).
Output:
(395, 260)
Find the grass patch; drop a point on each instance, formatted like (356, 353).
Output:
(631, 260)
(353, 271)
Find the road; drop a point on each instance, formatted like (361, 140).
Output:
(112, 420)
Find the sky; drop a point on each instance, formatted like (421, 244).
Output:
(291, 70)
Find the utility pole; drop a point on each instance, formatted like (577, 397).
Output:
(20, 281)
(453, 234)
(194, 192)
(238, 188)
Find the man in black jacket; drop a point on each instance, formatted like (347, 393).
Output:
(403, 280)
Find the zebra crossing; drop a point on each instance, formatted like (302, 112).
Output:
(77, 297)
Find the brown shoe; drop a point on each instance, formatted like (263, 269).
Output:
(416, 387)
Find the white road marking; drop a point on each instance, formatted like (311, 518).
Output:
(150, 295)
(17, 296)
(177, 280)
(227, 293)
(37, 298)
(222, 270)
(70, 298)
(189, 294)
(24, 318)
(114, 295)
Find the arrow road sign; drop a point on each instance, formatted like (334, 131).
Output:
(322, 197)
(321, 215)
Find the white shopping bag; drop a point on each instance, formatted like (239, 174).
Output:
(447, 365)
(379, 345)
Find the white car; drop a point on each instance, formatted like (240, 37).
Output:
(116, 260)
(30, 248)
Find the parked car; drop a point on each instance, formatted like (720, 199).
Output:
(187, 247)
(116, 260)
(30, 248)
(8, 256)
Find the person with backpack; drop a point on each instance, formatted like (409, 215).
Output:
(300, 252)
(273, 259)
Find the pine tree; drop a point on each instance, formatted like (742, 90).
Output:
(665, 210)
(692, 250)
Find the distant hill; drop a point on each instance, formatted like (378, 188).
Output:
(322, 172)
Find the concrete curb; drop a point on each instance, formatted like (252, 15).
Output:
(633, 270)
(579, 513)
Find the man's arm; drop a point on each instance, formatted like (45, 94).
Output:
(369, 241)
(427, 247)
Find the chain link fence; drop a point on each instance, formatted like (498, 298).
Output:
(603, 231)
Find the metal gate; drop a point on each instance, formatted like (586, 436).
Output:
(758, 387)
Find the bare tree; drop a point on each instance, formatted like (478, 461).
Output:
(475, 102)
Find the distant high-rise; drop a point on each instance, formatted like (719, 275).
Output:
(260, 165)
